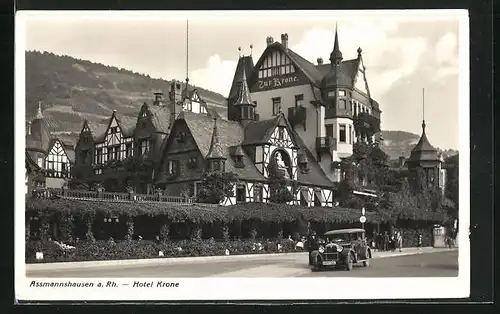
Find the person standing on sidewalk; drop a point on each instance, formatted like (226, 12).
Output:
(419, 241)
(386, 241)
(399, 238)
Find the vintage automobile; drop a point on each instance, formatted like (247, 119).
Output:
(341, 249)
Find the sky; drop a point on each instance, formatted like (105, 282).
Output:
(403, 54)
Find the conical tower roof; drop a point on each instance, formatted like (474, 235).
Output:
(215, 151)
(336, 54)
(243, 92)
(39, 114)
(423, 150)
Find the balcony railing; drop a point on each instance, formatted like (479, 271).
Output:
(47, 193)
(326, 144)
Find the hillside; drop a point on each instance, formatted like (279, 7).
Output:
(400, 143)
(72, 90)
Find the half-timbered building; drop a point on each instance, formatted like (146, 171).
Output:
(123, 153)
(245, 147)
(329, 105)
(52, 153)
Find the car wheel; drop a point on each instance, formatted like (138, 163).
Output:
(366, 262)
(349, 262)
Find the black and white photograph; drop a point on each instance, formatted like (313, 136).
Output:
(208, 155)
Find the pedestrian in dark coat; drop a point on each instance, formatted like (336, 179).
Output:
(386, 241)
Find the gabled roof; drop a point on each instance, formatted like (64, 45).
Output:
(96, 129)
(30, 164)
(346, 71)
(259, 132)
(215, 151)
(160, 117)
(315, 175)
(67, 146)
(230, 133)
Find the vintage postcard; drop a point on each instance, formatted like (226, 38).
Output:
(252, 155)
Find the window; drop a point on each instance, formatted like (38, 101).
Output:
(110, 153)
(299, 100)
(329, 130)
(276, 63)
(173, 167)
(192, 162)
(281, 133)
(257, 193)
(83, 156)
(113, 130)
(144, 147)
(64, 167)
(342, 104)
(341, 92)
(276, 105)
(40, 162)
(128, 150)
(98, 155)
(317, 200)
(331, 93)
(240, 193)
(51, 165)
(216, 166)
(355, 109)
(342, 133)
(350, 134)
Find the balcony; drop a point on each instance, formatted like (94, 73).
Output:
(326, 144)
(47, 193)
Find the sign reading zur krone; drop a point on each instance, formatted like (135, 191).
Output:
(277, 82)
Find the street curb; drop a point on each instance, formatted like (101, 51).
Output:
(152, 261)
(192, 260)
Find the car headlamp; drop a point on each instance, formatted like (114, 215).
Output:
(340, 248)
(321, 249)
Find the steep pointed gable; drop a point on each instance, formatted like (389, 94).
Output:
(243, 92)
(264, 131)
(215, 151)
(303, 66)
(360, 81)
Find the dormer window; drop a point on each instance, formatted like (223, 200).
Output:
(114, 130)
(341, 92)
(331, 93)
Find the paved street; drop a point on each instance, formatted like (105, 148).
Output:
(429, 263)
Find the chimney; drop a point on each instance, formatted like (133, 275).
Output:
(320, 61)
(175, 93)
(269, 40)
(284, 40)
(29, 128)
(402, 161)
(175, 98)
(158, 99)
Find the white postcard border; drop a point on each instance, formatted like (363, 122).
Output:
(244, 288)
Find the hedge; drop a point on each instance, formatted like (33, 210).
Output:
(109, 250)
(207, 213)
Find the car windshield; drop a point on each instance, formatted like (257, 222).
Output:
(343, 237)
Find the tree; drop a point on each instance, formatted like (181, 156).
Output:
(216, 186)
(400, 204)
(279, 187)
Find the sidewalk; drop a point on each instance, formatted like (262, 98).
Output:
(204, 259)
